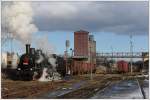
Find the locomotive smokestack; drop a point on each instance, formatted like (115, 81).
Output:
(27, 48)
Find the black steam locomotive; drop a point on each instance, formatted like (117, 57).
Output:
(33, 61)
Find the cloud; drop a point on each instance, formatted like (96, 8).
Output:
(17, 18)
(117, 17)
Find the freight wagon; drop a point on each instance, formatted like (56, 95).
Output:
(122, 66)
(81, 67)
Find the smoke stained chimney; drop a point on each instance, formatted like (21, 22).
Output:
(27, 48)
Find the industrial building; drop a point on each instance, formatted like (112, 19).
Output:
(84, 59)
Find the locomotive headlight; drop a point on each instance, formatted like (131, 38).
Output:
(19, 68)
(31, 69)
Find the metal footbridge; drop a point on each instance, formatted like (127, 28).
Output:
(123, 55)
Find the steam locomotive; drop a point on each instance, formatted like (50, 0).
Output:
(33, 61)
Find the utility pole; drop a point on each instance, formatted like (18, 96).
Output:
(11, 42)
(71, 66)
(66, 60)
(67, 46)
(111, 62)
(71, 52)
(112, 52)
(91, 76)
(131, 52)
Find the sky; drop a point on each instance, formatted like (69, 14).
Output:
(48, 25)
(104, 42)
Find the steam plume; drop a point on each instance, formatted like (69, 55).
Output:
(43, 44)
(17, 18)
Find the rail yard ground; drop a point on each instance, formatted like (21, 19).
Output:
(76, 87)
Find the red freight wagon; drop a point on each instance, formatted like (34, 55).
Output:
(80, 67)
(122, 66)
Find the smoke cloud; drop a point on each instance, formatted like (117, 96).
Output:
(17, 19)
(42, 43)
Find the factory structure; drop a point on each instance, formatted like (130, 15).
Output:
(84, 58)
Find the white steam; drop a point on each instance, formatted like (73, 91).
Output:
(17, 18)
(15, 60)
(43, 44)
(52, 61)
(38, 61)
(44, 75)
(50, 74)
(4, 60)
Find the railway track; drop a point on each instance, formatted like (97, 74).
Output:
(87, 90)
(141, 89)
(125, 89)
(106, 88)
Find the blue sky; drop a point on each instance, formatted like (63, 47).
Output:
(104, 42)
